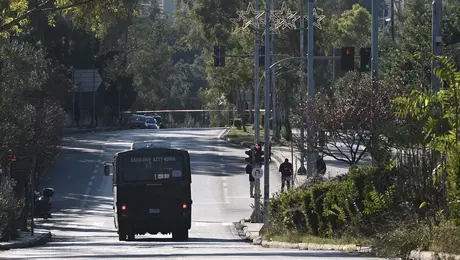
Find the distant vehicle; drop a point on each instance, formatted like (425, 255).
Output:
(150, 144)
(158, 119)
(152, 192)
(137, 121)
(151, 123)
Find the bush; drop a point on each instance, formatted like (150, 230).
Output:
(356, 205)
(10, 208)
(453, 194)
(238, 123)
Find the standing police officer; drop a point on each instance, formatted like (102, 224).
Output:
(251, 180)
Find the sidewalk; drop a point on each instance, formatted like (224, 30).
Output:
(333, 167)
(40, 237)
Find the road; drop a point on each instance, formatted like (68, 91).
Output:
(83, 223)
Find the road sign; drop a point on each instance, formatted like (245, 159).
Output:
(87, 80)
(257, 173)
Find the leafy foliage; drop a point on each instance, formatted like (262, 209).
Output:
(95, 15)
(10, 207)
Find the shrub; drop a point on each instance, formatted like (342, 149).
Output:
(238, 123)
(330, 209)
(453, 194)
(10, 207)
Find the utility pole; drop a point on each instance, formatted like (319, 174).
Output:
(375, 40)
(311, 89)
(436, 40)
(256, 79)
(267, 112)
(302, 80)
(273, 79)
(393, 20)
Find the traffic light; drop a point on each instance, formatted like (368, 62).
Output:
(12, 158)
(365, 54)
(219, 56)
(261, 55)
(259, 154)
(348, 58)
(249, 159)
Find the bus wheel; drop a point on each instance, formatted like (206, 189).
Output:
(180, 235)
(121, 236)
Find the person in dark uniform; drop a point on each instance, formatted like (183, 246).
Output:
(320, 165)
(252, 181)
(286, 171)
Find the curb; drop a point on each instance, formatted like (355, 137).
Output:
(37, 241)
(223, 133)
(428, 255)
(242, 230)
(257, 240)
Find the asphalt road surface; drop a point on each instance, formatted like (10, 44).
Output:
(83, 223)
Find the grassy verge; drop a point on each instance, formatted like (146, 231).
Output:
(293, 237)
(239, 135)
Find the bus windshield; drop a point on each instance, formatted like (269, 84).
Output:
(147, 168)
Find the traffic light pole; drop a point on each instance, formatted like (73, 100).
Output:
(256, 82)
(256, 113)
(375, 40)
(257, 190)
(267, 111)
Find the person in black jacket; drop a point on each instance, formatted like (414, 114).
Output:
(286, 171)
(320, 165)
(252, 182)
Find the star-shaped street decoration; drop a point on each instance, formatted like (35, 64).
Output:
(284, 18)
(280, 19)
(248, 18)
(318, 19)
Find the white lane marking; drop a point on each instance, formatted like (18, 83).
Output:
(93, 177)
(90, 183)
(85, 199)
(225, 192)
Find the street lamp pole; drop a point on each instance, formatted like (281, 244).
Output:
(302, 79)
(311, 88)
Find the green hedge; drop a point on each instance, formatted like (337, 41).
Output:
(355, 204)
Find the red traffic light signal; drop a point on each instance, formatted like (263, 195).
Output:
(347, 58)
(11, 158)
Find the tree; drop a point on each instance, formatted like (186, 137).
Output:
(352, 115)
(34, 90)
(94, 15)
